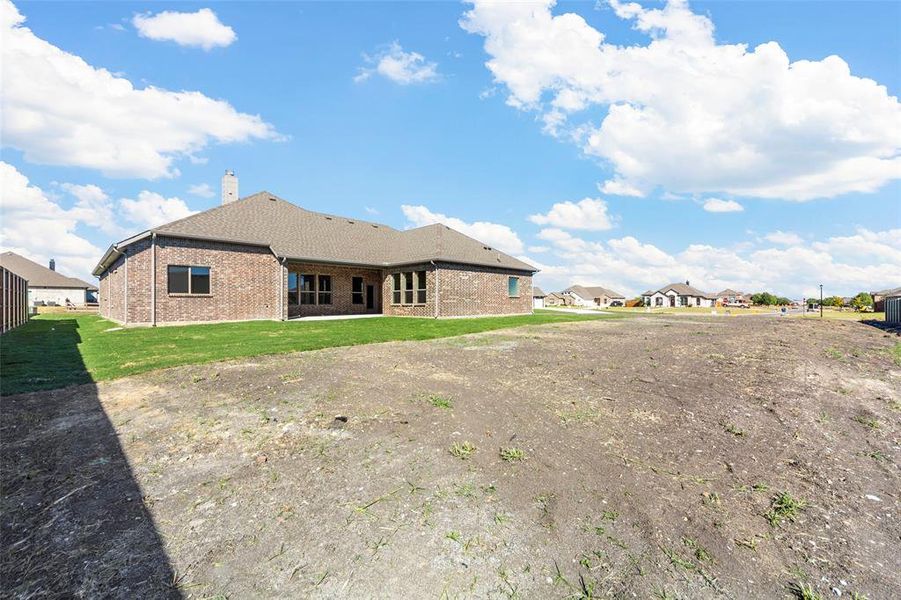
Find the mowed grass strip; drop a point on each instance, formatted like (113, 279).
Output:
(56, 350)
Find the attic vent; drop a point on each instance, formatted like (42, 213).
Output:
(272, 198)
(486, 247)
(349, 221)
(374, 225)
(328, 218)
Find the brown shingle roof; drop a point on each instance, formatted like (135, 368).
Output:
(591, 292)
(537, 292)
(40, 276)
(683, 289)
(264, 219)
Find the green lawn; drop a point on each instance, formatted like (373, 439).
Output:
(55, 350)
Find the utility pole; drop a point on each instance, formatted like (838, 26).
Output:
(821, 300)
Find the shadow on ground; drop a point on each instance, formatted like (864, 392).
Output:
(74, 521)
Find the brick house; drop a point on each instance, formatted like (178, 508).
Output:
(678, 294)
(262, 257)
(592, 296)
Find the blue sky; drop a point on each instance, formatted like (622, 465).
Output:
(388, 111)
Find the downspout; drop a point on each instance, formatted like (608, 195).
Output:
(125, 314)
(281, 289)
(153, 280)
(437, 288)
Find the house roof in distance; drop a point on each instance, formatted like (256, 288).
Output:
(593, 291)
(38, 275)
(728, 292)
(264, 219)
(537, 292)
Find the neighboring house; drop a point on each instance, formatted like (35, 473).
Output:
(879, 298)
(554, 299)
(45, 285)
(678, 294)
(592, 296)
(13, 300)
(729, 296)
(538, 297)
(262, 257)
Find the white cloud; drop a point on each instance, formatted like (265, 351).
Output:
(399, 66)
(845, 265)
(784, 238)
(589, 214)
(93, 207)
(687, 114)
(151, 209)
(499, 236)
(39, 228)
(203, 190)
(59, 110)
(370, 210)
(201, 29)
(717, 205)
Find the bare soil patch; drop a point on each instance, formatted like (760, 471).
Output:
(667, 457)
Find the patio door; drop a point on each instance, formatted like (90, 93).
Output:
(370, 297)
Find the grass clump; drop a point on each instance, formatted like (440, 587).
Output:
(868, 421)
(512, 454)
(700, 551)
(784, 507)
(462, 451)
(805, 591)
(731, 428)
(440, 402)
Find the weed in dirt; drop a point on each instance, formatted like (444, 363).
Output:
(677, 560)
(454, 536)
(609, 515)
(664, 594)
(711, 499)
(877, 456)
(784, 506)
(731, 428)
(512, 454)
(544, 502)
(870, 422)
(501, 518)
(749, 542)
(858, 596)
(465, 490)
(896, 353)
(700, 551)
(440, 401)
(462, 451)
(834, 353)
(824, 417)
(804, 591)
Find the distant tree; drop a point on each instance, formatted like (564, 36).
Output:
(783, 301)
(836, 301)
(764, 299)
(862, 301)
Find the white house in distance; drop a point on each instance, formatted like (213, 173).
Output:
(538, 297)
(593, 296)
(45, 285)
(678, 294)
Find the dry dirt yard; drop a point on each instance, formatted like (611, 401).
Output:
(645, 458)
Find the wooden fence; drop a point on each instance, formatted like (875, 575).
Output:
(893, 311)
(13, 300)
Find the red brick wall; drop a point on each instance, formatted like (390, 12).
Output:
(465, 290)
(469, 290)
(112, 291)
(418, 310)
(246, 283)
(342, 285)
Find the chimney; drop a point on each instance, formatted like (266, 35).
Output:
(686, 282)
(229, 187)
(52, 265)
